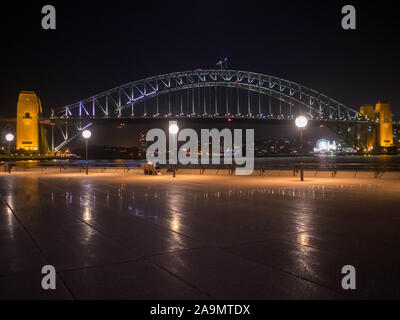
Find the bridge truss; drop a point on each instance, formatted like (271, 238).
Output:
(206, 94)
(185, 94)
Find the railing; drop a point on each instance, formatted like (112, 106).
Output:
(377, 168)
(43, 166)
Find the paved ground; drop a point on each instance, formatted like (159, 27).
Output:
(125, 236)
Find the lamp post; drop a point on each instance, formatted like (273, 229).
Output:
(9, 138)
(301, 123)
(86, 134)
(173, 130)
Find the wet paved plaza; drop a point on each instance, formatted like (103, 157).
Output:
(127, 236)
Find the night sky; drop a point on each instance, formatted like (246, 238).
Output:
(99, 45)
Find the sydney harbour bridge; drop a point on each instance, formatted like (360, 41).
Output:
(209, 95)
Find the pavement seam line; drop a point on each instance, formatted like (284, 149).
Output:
(37, 245)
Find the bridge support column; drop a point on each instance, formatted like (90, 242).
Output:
(28, 110)
(384, 113)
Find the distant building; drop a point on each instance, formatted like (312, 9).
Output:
(143, 144)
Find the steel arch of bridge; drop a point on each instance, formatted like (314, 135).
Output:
(120, 102)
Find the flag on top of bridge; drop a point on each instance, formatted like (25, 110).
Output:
(221, 63)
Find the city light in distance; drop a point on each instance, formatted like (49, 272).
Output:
(323, 145)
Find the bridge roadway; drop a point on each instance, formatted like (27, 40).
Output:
(198, 119)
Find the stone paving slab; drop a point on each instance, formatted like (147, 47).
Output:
(130, 236)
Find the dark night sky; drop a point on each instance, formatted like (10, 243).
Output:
(99, 45)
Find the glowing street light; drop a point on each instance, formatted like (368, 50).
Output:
(173, 130)
(86, 134)
(301, 123)
(9, 138)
